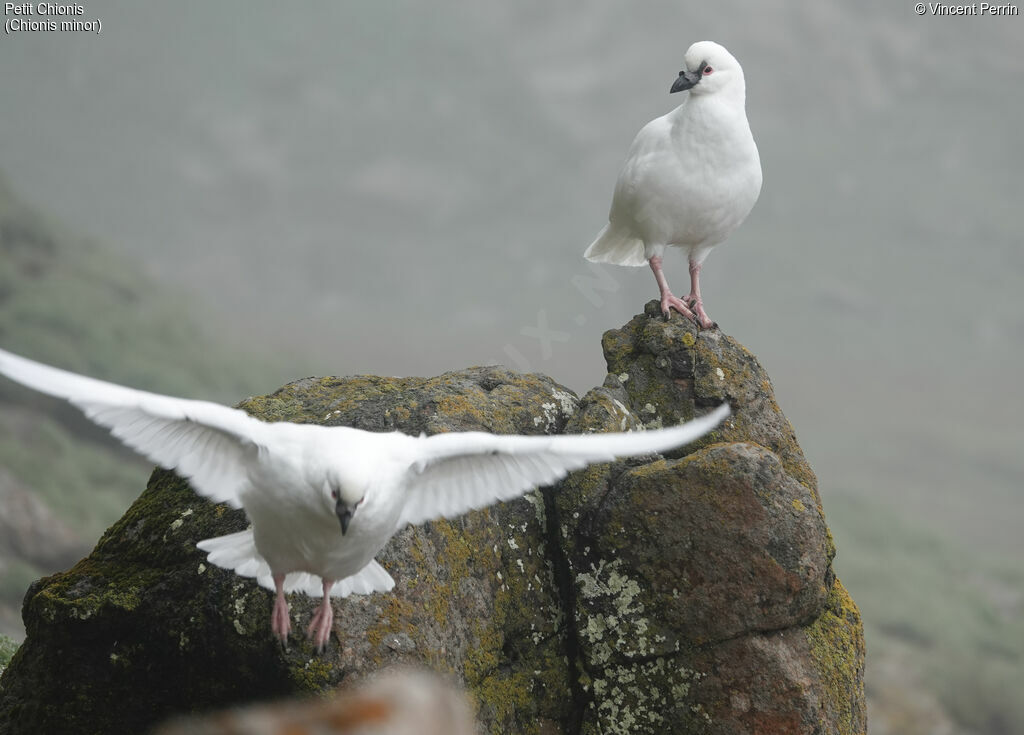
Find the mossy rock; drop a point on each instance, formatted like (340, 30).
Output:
(713, 541)
(803, 679)
(687, 593)
(674, 561)
(143, 627)
(670, 370)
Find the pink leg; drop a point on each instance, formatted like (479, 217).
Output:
(279, 622)
(668, 301)
(323, 619)
(694, 301)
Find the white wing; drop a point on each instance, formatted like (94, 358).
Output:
(236, 552)
(460, 471)
(205, 442)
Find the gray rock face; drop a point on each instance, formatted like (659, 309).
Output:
(690, 593)
(722, 542)
(700, 583)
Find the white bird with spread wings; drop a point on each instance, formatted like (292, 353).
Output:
(324, 500)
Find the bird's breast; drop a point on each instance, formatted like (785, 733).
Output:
(691, 176)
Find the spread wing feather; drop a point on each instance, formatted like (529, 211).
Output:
(460, 471)
(205, 442)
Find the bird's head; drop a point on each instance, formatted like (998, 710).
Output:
(709, 68)
(344, 500)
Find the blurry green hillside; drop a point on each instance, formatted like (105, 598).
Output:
(943, 624)
(64, 300)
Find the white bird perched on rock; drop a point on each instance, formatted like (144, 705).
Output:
(324, 500)
(690, 178)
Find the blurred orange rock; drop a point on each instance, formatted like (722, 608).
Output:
(397, 702)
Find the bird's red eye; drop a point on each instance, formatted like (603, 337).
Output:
(334, 494)
(707, 70)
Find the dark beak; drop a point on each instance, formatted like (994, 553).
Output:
(686, 80)
(344, 515)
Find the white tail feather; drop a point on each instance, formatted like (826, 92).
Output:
(616, 246)
(237, 552)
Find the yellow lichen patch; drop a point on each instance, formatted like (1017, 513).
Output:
(315, 676)
(504, 695)
(463, 408)
(836, 641)
(798, 506)
(652, 468)
(396, 617)
(399, 414)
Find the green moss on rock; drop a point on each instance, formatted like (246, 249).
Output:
(836, 642)
(145, 609)
(687, 593)
(675, 559)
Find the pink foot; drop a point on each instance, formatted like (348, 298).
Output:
(669, 302)
(700, 316)
(280, 623)
(323, 620)
(693, 299)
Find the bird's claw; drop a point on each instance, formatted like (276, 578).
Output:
(670, 302)
(320, 626)
(690, 307)
(700, 316)
(280, 623)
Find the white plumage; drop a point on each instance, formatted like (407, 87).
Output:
(324, 500)
(691, 177)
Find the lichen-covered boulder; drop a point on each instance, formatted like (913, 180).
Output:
(143, 628)
(687, 593)
(702, 589)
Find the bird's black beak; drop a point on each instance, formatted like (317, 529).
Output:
(686, 80)
(344, 515)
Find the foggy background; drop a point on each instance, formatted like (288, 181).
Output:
(403, 189)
